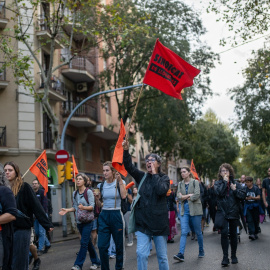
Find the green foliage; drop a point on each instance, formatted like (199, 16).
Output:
(244, 18)
(253, 98)
(213, 143)
(253, 161)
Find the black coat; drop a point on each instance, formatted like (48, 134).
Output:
(28, 203)
(228, 200)
(8, 205)
(151, 213)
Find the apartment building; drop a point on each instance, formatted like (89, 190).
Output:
(25, 127)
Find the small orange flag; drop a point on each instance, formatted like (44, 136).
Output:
(75, 169)
(193, 170)
(39, 169)
(117, 160)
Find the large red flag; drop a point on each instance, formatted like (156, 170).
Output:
(39, 169)
(75, 169)
(193, 170)
(117, 160)
(168, 72)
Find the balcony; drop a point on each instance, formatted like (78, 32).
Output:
(85, 116)
(3, 19)
(43, 34)
(3, 136)
(79, 70)
(56, 90)
(3, 74)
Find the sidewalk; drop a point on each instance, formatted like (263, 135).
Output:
(58, 235)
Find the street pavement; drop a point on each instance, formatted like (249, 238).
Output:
(253, 255)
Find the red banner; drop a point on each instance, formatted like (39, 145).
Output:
(193, 170)
(117, 160)
(39, 169)
(168, 72)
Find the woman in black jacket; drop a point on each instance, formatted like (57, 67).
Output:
(7, 215)
(151, 214)
(229, 193)
(27, 206)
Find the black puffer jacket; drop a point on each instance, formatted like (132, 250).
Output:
(151, 213)
(228, 200)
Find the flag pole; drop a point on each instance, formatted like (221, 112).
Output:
(25, 173)
(134, 112)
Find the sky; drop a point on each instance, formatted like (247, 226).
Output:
(228, 74)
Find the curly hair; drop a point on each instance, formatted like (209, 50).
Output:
(3, 179)
(228, 167)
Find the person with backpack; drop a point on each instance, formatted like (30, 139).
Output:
(111, 220)
(149, 214)
(191, 212)
(83, 206)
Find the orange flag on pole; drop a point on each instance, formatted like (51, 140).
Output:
(117, 160)
(193, 170)
(39, 169)
(75, 169)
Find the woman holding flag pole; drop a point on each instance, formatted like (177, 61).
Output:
(27, 206)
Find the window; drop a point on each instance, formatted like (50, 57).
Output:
(70, 144)
(89, 150)
(107, 106)
(102, 155)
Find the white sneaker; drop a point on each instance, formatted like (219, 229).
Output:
(76, 267)
(112, 256)
(130, 244)
(94, 266)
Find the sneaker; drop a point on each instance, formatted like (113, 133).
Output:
(76, 267)
(37, 263)
(234, 260)
(94, 266)
(201, 254)
(46, 249)
(130, 244)
(252, 237)
(225, 261)
(179, 257)
(112, 256)
(170, 241)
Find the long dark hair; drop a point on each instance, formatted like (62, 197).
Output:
(16, 186)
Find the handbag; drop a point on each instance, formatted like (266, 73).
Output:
(219, 220)
(131, 223)
(85, 216)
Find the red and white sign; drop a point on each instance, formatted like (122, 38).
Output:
(61, 156)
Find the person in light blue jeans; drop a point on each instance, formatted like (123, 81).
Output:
(191, 212)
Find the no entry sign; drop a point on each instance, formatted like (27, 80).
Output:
(61, 156)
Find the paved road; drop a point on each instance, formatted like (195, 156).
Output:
(252, 255)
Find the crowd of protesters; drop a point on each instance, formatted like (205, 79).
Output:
(109, 214)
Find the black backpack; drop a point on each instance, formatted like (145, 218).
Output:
(124, 202)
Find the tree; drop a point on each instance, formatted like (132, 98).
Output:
(130, 54)
(244, 18)
(252, 100)
(213, 143)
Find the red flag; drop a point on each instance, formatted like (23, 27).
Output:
(75, 169)
(168, 72)
(117, 160)
(193, 170)
(39, 169)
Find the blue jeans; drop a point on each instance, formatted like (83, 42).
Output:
(86, 244)
(112, 249)
(41, 234)
(21, 246)
(143, 250)
(186, 219)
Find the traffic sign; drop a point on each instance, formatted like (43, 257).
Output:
(61, 156)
